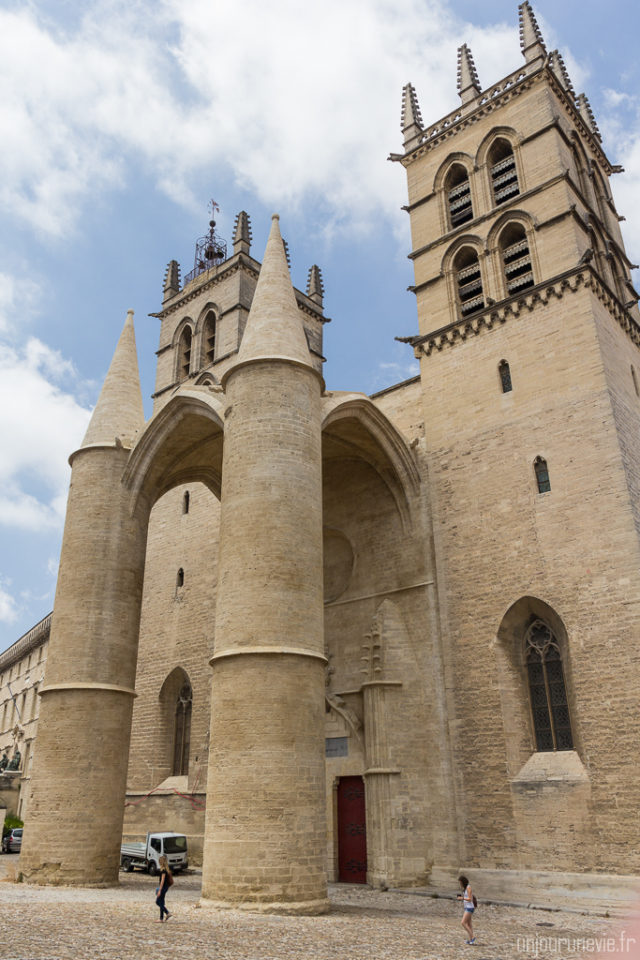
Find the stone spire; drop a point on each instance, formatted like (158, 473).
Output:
(171, 280)
(587, 115)
(118, 412)
(315, 286)
(242, 233)
(531, 42)
(558, 66)
(468, 83)
(274, 326)
(411, 118)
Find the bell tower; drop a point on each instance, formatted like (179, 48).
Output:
(528, 342)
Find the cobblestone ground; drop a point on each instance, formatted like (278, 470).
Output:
(48, 923)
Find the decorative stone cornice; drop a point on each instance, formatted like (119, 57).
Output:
(492, 99)
(35, 637)
(229, 267)
(498, 314)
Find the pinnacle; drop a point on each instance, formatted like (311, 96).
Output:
(274, 326)
(468, 81)
(242, 233)
(118, 412)
(558, 66)
(171, 280)
(587, 115)
(315, 286)
(531, 42)
(411, 118)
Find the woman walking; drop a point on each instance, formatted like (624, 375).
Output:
(166, 881)
(469, 904)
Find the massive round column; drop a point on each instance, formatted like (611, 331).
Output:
(75, 813)
(265, 834)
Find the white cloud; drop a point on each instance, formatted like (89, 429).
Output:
(8, 606)
(40, 424)
(299, 101)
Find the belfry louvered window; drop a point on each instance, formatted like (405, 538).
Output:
(516, 259)
(469, 282)
(547, 691)
(504, 175)
(210, 338)
(459, 196)
(184, 354)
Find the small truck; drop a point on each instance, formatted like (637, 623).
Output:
(146, 854)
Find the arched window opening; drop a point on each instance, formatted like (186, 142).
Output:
(459, 195)
(547, 691)
(209, 338)
(516, 258)
(469, 281)
(542, 475)
(185, 502)
(184, 354)
(180, 579)
(505, 376)
(635, 381)
(182, 734)
(504, 175)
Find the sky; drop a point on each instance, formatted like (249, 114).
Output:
(120, 121)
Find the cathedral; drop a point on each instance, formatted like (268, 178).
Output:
(334, 637)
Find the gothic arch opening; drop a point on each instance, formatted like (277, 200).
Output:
(174, 734)
(530, 630)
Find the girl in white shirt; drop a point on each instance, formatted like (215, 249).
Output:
(469, 907)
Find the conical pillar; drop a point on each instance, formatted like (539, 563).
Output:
(265, 833)
(76, 808)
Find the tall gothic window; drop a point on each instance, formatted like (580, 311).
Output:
(468, 281)
(505, 376)
(549, 707)
(182, 731)
(504, 175)
(209, 338)
(184, 354)
(542, 475)
(516, 258)
(459, 195)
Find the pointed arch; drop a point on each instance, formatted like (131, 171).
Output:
(182, 343)
(534, 665)
(353, 426)
(181, 444)
(468, 281)
(176, 707)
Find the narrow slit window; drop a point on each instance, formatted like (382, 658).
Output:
(516, 259)
(459, 196)
(210, 338)
(469, 282)
(505, 376)
(184, 354)
(542, 475)
(547, 690)
(504, 175)
(185, 502)
(635, 381)
(180, 579)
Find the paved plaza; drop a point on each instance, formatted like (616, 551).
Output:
(48, 923)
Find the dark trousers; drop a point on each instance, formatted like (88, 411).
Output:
(160, 902)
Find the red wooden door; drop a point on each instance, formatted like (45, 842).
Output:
(352, 831)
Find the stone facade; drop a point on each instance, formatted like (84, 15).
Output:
(471, 668)
(21, 676)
